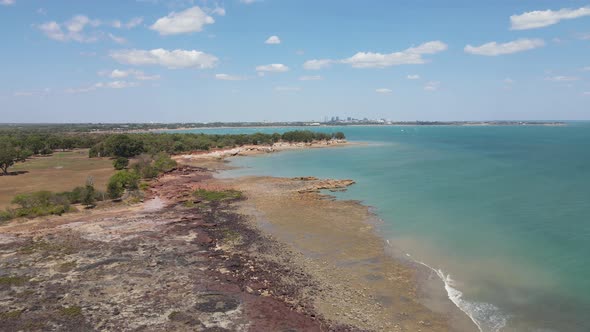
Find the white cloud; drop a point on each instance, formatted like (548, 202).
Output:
(248, 1)
(412, 55)
(317, 64)
(273, 68)
(273, 40)
(117, 85)
(72, 30)
(586, 68)
(287, 89)
(132, 23)
(138, 74)
(384, 91)
(227, 77)
(190, 20)
(495, 49)
(413, 77)
(118, 40)
(586, 93)
(171, 59)
(102, 85)
(432, 86)
(562, 78)
(7, 2)
(543, 18)
(311, 78)
(218, 11)
(508, 80)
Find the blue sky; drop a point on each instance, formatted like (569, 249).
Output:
(285, 60)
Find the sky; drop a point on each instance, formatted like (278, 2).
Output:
(293, 60)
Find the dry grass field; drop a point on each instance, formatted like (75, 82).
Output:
(61, 171)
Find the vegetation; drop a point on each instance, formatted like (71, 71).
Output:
(10, 155)
(216, 196)
(44, 203)
(120, 163)
(18, 145)
(121, 181)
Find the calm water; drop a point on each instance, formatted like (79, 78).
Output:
(503, 213)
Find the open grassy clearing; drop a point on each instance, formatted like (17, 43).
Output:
(61, 171)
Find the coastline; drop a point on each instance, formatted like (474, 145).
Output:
(279, 206)
(284, 256)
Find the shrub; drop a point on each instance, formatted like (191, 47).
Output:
(41, 203)
(121, 181)
(163, 162)
(120, 163)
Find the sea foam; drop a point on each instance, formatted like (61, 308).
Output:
(486, 316)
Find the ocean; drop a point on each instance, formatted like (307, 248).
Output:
(500, 213)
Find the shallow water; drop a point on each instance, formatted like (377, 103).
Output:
(502, 214)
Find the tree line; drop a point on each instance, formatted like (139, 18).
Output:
(17, 146)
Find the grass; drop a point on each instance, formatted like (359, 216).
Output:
(13, 280)
(216, 196)
(59, 172)
(15, 314)
(66, 267)
(71, 312)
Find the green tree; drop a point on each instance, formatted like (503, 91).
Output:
(8, 155)
(89, 196)
(120, 163)
(121, 181)
(122, 145)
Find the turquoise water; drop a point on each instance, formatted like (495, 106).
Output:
(503, 213)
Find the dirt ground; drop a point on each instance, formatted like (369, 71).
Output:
(62, 171)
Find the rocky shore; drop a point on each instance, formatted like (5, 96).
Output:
(281, 256)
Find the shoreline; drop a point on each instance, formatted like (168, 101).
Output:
(440, 298)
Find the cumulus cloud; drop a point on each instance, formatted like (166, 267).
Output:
(384, 91)
(273, 40)
(137, 74)
(74, 29)
(7, 2)
(117, 85)
(432, 86)
(227, 77)
(102, 85)
(116, 39)
(273, 68)
(190, 20)
(495, 49)
(317, 64)
(562, 78)
(543, 18)
(174, 59)
(311, 78)
(412, 55)
(413, 77)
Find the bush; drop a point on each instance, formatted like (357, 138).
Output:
(120, 163)
(163, 162)
(41, 203)
(121, 181)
